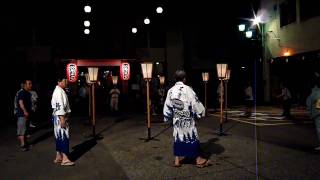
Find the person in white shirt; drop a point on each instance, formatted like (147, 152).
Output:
(249, 99)
(286, 101)
(61, 108)
(182, 106)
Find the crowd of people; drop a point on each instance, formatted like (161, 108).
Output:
(179, 105)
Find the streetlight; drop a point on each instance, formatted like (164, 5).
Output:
(147, 75)
(226, 82)
(86, 31)
(249, 34)
(241, 27)
(257, 20)
(86, 23)
(221, 71)
(87, 9)
(134, 30)
(92, 77)
(259, 33)
(146, 21)
(205, 79)
(159, 10)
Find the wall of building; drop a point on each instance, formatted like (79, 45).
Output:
(300, 39)
(297, 37)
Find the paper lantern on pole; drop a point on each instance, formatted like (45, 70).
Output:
(221, 70)
(114, 80)
(162, 79)
(146, 70)
(93, 73)
(125, 71)
(72, 72)
(205, 76)
(227, 75)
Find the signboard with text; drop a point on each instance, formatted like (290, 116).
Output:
(72, 72)
(125, 71)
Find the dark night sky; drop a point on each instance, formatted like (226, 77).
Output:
(60, 23)
(209, 28)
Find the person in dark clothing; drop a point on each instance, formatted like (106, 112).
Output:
(24, 106)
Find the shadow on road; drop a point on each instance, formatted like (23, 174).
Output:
(80, 149)
(42, 137)
(116, 121)
(210, 147)
(166, 127)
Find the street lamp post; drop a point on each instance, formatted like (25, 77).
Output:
(90, 97)
(205, 79)
(221, 71)
(147, 74)
(93, 76)
(226, 83)
(258, 27)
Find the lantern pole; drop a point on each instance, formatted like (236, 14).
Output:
(221, 108)
(228, 73)
(205, 78)
(148, 110)
(221, 71)
(147, 74)
(93, 112)
(90, 103)
(92, 77)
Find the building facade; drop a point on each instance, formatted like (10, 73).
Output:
(291, 43)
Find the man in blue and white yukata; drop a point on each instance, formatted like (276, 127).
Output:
(182, 106)
(61, 109)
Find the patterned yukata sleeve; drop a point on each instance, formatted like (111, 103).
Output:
(168, 108)
(198, 108)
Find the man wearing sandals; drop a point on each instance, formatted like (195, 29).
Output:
(61, 109)
(182, 106)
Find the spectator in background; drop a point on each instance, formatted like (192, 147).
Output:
(23, 111)
(313, 106)
(285, 97)
(248, 99)
(114, 99)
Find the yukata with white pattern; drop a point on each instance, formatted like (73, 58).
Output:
(60, 106)
(182, 106)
